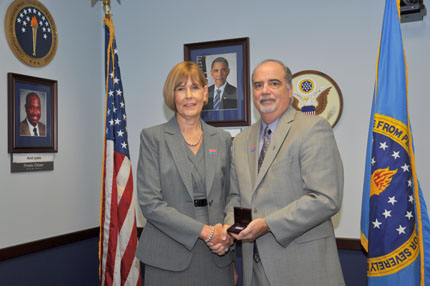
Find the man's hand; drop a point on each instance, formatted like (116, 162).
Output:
(221, 241)
(254, 230)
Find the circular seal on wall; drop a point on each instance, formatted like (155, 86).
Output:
(316, 93)
(31, 32)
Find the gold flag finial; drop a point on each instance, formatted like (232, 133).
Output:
(106, 5)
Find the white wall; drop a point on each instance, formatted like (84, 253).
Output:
(43, 204)
(337, 37)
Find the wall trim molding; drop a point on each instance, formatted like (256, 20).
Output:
(349, 243)
(51, 242)
(46, 243)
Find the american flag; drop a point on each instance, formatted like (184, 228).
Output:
(118, 232)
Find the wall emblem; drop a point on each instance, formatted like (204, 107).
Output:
(316, 93)
(31, 32)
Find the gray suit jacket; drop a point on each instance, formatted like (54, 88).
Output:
(165, 193)
(298, 189)
(228, 100)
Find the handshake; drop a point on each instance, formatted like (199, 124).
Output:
(219, 241)
(217, 238)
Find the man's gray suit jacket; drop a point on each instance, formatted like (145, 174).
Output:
(298, 189)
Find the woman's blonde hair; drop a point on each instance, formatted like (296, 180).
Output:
(178, 75)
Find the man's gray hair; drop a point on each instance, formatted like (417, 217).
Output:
(287, 71)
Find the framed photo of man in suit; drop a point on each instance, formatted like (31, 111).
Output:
(32, 114)
(226, 66)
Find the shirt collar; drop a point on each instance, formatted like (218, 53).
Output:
(272, 126)
(31, 127)
(222, 87)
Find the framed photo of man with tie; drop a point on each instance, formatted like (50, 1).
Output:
(32, 114)
(225, 64)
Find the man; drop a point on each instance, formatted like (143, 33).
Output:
(294, 193)
(31, 126)
(221, 95)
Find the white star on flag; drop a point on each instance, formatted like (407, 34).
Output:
(401, 230)
(396, 155)
(409, 215)
(392, 200)
(405, 168)
(383, 145)
(386, 213)
(376, 223)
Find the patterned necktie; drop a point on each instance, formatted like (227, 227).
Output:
(266, 142)
(217, 99)
(35, 131)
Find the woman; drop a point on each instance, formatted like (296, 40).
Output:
(182, 183)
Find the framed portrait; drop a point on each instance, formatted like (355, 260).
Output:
(32, 114)
(225, 64)
(316, 93)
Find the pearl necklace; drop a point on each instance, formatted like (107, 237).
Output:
(198, 140)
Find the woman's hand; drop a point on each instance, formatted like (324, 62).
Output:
(221, 241)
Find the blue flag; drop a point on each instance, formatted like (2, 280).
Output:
(395, 226)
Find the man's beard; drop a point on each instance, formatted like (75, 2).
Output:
(267, 108)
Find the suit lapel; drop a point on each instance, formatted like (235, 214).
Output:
(26, 129)
(226, 94)
(210, 148)
(174, 142)
(278, 138)
(252, 150)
